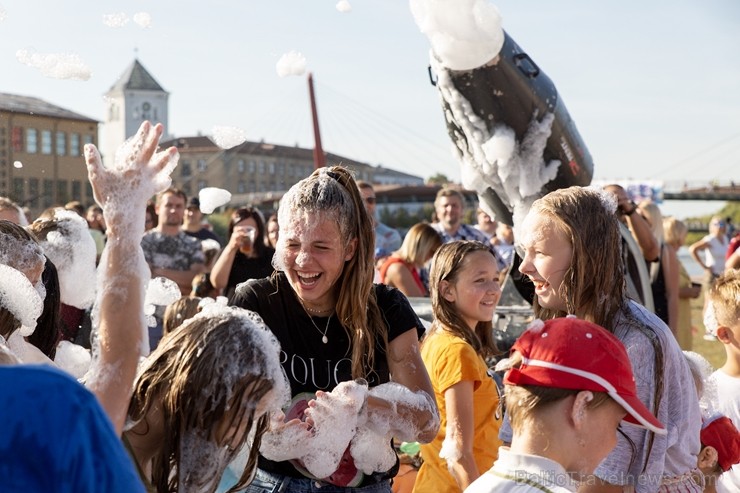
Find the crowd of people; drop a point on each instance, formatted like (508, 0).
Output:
(293, 359)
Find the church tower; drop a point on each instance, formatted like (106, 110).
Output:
(135, 97)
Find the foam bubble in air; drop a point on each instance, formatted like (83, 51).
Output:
(72, 250)
(161, 291)
(211, 198)
(343, 6)
(291, 63)
(116, 20)
(17, 164)
(55, 65)
(227, 137)
(73, 359)
(143, 19)
(464, 34)
(18, 296)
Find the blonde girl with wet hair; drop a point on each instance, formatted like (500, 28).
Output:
(571, 253)
(335, 326)
(464, 285)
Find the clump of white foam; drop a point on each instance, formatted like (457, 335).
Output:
(334, 416)
(72, 250)
(55, 65)
(343, 6)
(291, 63)
(73, 359)
(340, 418)
(211, 198)
(20, 298)
(370, 448)
(143, 19)
(17, 164)
(227, 137)
(451, 450)
(115, 20)
(25, 351)
(160, 291)
(22, 255)
(464, 34)
(514, 170)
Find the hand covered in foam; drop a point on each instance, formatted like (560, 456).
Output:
(331, 421)
(139, 172)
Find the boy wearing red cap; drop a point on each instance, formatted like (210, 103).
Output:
(722, 318)
(568, 388)
(720, 450)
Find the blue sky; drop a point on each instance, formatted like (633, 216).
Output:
(654, 87)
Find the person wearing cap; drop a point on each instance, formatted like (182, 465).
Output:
(571, 248)
(568, 388)
(193, 222)
(720, 451)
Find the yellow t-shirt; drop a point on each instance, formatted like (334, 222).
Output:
(450, 360)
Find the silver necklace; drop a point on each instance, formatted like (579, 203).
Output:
(324, 339)
(318, 312)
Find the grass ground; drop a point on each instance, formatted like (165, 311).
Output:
(713, 351)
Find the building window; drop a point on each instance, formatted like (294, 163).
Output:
(202, 184)
(18, 190)
(33, 192)
(201, 165)
(271, 167)
(187, 188)
(250, 166)
(88, 191)
(46, 142)
(261, 167)
(240, 166)
(17, 139)
(74, 144)
(61, 144)
(48, 192)
(77, 191)
(185, 169)
(241, 188)
(32, 144)
(62, 191)
(87, 139)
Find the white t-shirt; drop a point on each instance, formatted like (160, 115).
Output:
(728, 403)
(522, 473)
(715, 254)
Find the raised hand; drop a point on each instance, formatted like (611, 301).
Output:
(138, 172)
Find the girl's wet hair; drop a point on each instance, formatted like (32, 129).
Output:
(594, 282)
(213, 368)
(178, 312)
(447, 263)
(332, 194)
(19, 248)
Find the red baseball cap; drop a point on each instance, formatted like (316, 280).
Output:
(569, 353)
(719, 432)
